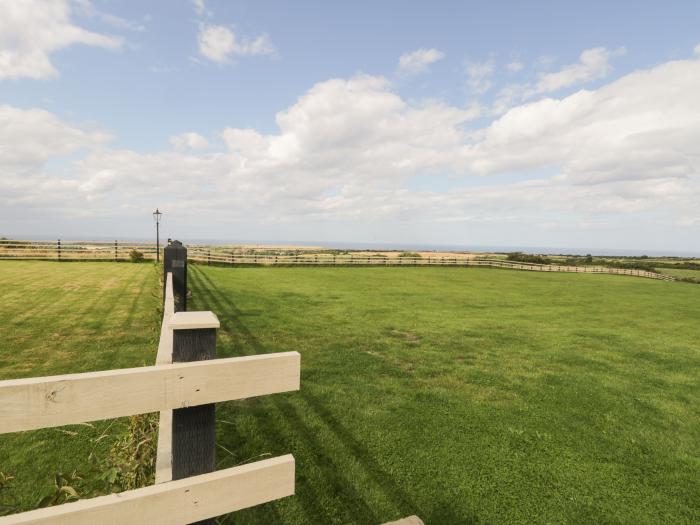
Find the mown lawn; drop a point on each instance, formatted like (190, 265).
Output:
(462, 395)
(467, 395)
(58, 318)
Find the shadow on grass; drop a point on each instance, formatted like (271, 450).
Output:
(229, 317)
(100, 323)
(134, 307)
(335, 484)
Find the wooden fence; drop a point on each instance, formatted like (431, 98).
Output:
(206, 256)
(183, 386)
(85, 250)
(73, 250)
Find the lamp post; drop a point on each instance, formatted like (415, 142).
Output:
(156, 217)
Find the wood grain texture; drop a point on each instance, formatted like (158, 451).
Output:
(164, 455)
(165, 343)
(165, 357)
(175, 502)
(27, 404)
(193, 320)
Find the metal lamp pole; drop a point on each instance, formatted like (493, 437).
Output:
(156, 217)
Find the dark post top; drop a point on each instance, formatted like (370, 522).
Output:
(175, 261)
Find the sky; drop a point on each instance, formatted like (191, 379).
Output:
(545, 124)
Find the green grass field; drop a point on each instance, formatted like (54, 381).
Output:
(467, 395)
(463, 395)
(58, 318)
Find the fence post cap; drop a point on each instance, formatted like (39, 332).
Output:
(193, 320)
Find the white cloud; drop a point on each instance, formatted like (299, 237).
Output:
(31, 30)
(545, 62)
(418, 61)
(260, 45)
(216, 43)
(357, 128)
(641, 127)
(348, 151)
(200, 8)
(189, 141)
(30, 138)
(105, 174)
(593, 64)
(479, 76)
(121, 23)
(220, 44)
(514, 66)
(86, 8)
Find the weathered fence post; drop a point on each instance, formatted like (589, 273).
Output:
(175, 261)
(193, 430)
(209, 257)
(115, 250)
(58, 249)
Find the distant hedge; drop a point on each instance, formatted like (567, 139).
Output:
(528, 258)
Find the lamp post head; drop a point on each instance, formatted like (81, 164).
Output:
(156, 216)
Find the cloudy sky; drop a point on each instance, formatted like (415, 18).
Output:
(556, 124)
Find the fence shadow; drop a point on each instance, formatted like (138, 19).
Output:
(335, 483)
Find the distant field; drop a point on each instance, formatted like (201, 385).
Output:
(680, 272)
(60, 318)
(467, 395)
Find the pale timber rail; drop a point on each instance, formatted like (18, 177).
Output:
(165, 357)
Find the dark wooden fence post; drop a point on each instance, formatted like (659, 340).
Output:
(115, 251)
(58, 249)
(194, 432)
(175, 261)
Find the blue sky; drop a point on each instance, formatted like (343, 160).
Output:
(460, 123)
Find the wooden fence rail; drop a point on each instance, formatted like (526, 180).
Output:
(165, 357)
(102, 251)
(184, 501)
(186, 489)
(62, 250)
(41, 402)
(201, 256)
